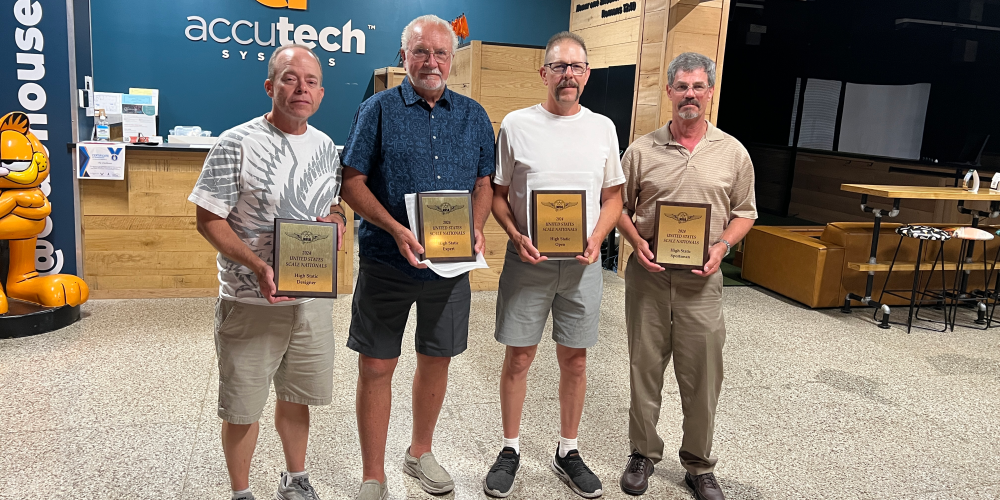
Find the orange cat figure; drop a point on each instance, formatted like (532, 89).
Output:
(23, 209)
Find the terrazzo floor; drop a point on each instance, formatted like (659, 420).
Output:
(816, 404)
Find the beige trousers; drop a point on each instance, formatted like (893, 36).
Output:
(674, 313)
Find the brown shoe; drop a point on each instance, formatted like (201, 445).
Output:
(704, 486)
(635, 479)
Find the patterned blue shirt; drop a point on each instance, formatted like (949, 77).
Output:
(405, 146)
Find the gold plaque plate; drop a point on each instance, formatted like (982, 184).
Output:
(445, 224)
(681, 233)
(559, 222)
(305, 258)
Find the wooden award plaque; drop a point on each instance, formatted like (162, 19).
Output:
(305, 258)
(680, 235)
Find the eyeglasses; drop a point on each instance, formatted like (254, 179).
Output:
(421, 55)
(560, 68)
(682, 88)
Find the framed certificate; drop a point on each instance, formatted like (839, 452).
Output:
(305, 258)
(680, 235)
(445, 230)
(559, 222)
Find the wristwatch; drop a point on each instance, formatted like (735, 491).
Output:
(728, 246)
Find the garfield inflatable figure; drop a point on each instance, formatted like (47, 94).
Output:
(23, 209)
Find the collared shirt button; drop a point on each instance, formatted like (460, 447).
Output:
(435, 157)
(439, 177)
(432, 116)
(434, 136)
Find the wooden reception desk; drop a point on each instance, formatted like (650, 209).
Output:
(140, 237)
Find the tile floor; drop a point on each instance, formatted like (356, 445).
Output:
(816, 404)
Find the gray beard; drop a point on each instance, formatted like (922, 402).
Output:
(688, 115)
(416, 82)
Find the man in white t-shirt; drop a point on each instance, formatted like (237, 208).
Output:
(563, 146)
(274, 166)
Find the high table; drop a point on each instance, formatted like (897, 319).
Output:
(897, 193)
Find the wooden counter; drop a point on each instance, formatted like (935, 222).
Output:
(140, 238)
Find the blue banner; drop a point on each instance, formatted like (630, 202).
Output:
(34, 76)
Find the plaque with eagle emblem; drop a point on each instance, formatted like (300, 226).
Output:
(305, 258)
(559, 222)
(445, 227)
(680, 234)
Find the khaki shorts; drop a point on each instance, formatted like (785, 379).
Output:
(255, 344)
(528, 292)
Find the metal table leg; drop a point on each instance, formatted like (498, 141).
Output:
(867, 299)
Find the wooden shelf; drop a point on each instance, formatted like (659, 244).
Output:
(910, 266)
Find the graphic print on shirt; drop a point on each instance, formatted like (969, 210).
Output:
(270, 182)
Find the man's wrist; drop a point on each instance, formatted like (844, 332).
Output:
(728, 246)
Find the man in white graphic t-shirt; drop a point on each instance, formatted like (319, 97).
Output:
(563, 146)
(274, 166)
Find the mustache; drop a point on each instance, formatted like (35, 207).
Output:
(434, 71)
(568, 84)
(691, 102)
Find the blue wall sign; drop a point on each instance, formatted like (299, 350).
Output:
(209, 59)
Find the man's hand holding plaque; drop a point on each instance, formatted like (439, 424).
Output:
(559, 223)
(305, 258)
(445, 227)
(681, 233)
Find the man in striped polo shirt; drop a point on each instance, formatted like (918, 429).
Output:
(673, 312)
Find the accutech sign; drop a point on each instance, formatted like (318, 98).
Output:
(331, 39)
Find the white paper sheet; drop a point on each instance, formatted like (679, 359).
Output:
(133, 125)
(110, 102)
(448, 269)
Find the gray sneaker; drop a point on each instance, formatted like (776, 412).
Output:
(433, 478)
(295, 488)
(373, 490)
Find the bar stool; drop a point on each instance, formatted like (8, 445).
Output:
(937, 298)
(969, 236)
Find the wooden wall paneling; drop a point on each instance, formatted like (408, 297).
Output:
(620, 32)
(588, 18)
(611, 55)
(101, 197)
(498, 57)
(477, 70)
(519, 84)
(646, 99)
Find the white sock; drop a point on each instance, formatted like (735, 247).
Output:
(566, 446)
(237, 494)
(298, 474)
(513, 443)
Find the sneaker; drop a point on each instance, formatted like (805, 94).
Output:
(433, 478)
(373, 490)
(295, 488)
(499, 482)
(576, 474)
(704, 486)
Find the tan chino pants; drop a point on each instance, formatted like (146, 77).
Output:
(674, 313)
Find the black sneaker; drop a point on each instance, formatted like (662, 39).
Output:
(499, 482)
(576, 474)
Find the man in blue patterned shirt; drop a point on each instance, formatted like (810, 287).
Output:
(419, 136)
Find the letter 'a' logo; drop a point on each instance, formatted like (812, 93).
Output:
(281, 4)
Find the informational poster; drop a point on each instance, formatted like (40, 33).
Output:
(100, 160)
